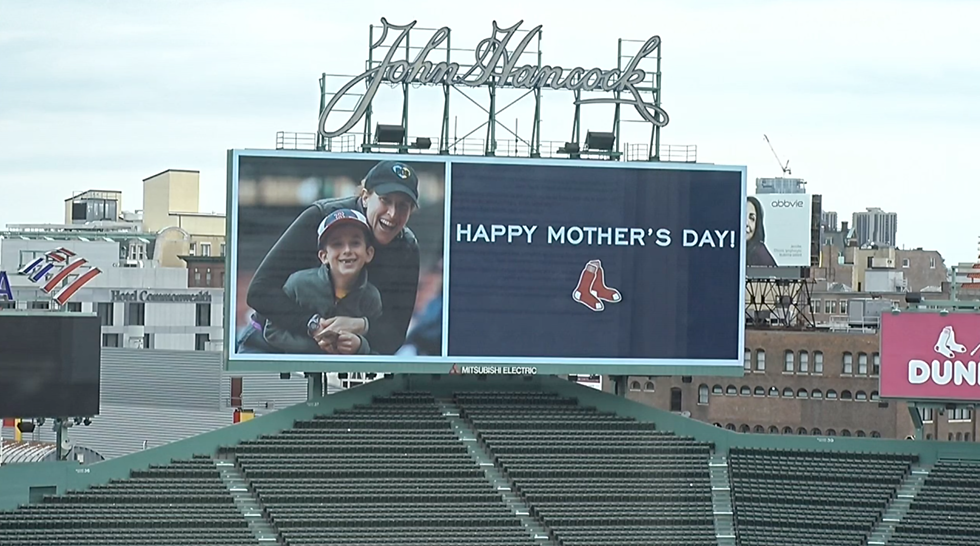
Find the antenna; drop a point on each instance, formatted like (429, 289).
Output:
(785, 168)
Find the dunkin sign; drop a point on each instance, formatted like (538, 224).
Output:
(928, 356)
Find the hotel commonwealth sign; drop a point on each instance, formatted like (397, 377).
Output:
(495, 65)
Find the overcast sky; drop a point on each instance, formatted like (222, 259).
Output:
(873, 103)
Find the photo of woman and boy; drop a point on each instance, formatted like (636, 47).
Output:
(344, 277)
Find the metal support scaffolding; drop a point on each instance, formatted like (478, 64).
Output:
(779, 303)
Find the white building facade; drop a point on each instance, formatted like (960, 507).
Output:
(140, 304)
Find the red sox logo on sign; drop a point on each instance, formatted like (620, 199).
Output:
(592, 291)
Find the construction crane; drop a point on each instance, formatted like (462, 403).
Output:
(785, 167)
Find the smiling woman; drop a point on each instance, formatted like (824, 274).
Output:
(327, 299)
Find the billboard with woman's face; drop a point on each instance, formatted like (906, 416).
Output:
(777, 230)
(434, 264)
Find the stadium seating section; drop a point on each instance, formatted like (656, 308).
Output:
(396, 472)
(812, 498)
(181, 503)
(946, 511)
(596, 478)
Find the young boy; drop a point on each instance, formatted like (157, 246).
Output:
(339, 287)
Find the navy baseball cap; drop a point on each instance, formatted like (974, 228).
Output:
(340, 217)
(393, 176)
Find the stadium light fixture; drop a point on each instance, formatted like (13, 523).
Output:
(389, 134)
(599, 141)
(422, 143)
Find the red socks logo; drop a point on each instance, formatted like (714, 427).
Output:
(592, 290)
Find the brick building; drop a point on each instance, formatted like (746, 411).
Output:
(802, 382)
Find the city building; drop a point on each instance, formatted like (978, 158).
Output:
(153, 276)
(876, 227)
(804, 383)
(828, 221)
(780, 185)
(94, 206)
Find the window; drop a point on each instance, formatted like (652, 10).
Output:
(905, 262)
(773, 430)
(73, 307)
(38, 305)
(702, 394)
(110, 340)
(848, 363)
(875, 434)
(845, 432)
(730, 426)
(731, 390)
(816, 306)
(926, 415)
(787, 392)
(787, 430)
(773, 391)
(801, 431)
(717, 390)
(817, 394)
(221, 279)
(8, 304)
(201, 344)
(744, 428)
(747, 364)
(860, 434)
(831, 394)
(105, 312)
(817, 361)
(804, 362)
(843, 307)
(802, 393)
(826, 307)
(759, 430)
(759, 391)
(147, 341)
(816, 432)
(635, 386)
(788, 362)
(207, 277)
(193, 249)
(831, 432)
(861, 396)
(875, 364)
(874, 395)
(760, 360)
(203, 314)
(649, 386)
(135, 314)
(222, 249)
(745, 391)
(845, 395)
(862, 364)
(932, 263)
(961, 414)
(676, 399)
(197, 277)
(205, 249)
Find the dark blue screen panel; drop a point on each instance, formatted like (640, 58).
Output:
(511, 288)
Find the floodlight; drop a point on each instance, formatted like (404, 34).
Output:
(422, 143)
(569, 148)
(599, 141)
(389, 134)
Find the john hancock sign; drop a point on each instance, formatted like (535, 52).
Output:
(495, 65)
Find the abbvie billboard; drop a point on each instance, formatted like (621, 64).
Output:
(777, 230)
(434, 264)
(928, 356)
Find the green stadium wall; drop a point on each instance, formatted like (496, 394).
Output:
(18, 481)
